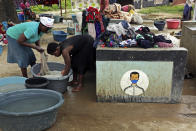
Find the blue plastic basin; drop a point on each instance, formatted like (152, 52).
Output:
(1, 49)
(21, 17)
(59, 35)
(8, 84)
(74, 19)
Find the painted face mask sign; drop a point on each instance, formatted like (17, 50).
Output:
(134, 82)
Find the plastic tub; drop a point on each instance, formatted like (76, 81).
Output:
(74, 19)
(46, 15)
(21, 17)
(59, 35)
(36, 82)
(159, 25)
(58, 83)
(13, 83)
(29, 110)
(1, 49)
(71, 30)
(61, 19)
(173, 23)
(56, 18)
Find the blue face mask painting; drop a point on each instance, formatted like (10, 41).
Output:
(134, 81)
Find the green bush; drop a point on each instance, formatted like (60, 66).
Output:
(178, 9)
(38, 9)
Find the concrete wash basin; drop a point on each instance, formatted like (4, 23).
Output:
(29, 110)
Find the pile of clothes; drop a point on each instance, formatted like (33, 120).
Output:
(27, 12)
(47, 2)
(123, 35)
(3, 27)
(93, 22)
(18, 2)
(127, 12)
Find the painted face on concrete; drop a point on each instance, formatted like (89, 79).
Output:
(134, 78)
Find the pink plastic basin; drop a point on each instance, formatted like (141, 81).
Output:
(173, 23)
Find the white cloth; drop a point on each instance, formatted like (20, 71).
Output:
(117, 28)
(91, 30)
(79, 19)
(189, 2)
(48, 22)
(194, 14)
(130, 42)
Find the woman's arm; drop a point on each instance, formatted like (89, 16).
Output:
(67, 60)
(22, 40)
(37, 43)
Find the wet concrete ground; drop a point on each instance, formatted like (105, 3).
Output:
(81, 112)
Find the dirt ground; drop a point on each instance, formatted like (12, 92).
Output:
(81, 112)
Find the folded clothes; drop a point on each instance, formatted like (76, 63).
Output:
(164, 45)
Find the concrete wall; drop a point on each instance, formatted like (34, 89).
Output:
(188, 41)
(161, 74)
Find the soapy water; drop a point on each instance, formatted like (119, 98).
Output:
(53, 74)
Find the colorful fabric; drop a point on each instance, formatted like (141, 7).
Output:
(92, 14)
(30, 30)
(98, 29)
(47, 2)
(187, 12)
(164, 45)
(31, 2)
(129, 43)
(125, 8)
(103, 5)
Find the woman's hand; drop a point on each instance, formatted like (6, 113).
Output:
(38, 48)
(64, 72)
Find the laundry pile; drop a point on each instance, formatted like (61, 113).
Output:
(93, 22)
(126, 36)
(127, 12)
(3, 27)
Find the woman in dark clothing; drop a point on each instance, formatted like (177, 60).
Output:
(78, 54)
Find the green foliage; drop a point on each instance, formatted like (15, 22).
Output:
(178, 9)
(38, 9)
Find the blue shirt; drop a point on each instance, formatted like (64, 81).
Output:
(30, 30)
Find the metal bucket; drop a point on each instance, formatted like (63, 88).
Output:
(29, 110)
(58, 83)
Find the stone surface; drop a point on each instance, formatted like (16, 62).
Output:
(188, 41)
(176, 55)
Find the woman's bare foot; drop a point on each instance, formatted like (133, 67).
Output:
(71, 83)
(77, 89)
